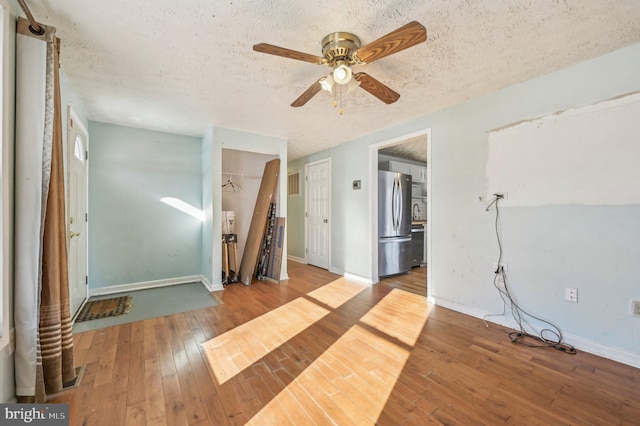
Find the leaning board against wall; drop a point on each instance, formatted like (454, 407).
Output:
(589, 155)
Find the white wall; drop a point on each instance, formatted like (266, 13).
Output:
(591, 247)
(580, 156)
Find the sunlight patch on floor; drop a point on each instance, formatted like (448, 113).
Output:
(337, 292)
(352, 380)
(400, 314)
(237, 349)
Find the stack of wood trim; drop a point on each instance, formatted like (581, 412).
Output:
(259, 221)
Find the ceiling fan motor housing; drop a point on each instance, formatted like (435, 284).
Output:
(340, 47)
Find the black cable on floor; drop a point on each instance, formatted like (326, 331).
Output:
(547, 337)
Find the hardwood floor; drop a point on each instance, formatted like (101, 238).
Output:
(414, 282)
(318, 349)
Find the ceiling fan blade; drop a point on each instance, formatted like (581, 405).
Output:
(287, 53)
(376, 88)
(400, 39)
(308, 94)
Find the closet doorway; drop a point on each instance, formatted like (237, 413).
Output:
(241, 178)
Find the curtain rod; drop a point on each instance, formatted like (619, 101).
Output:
(34, 27)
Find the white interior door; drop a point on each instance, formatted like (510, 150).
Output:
(318, 211)
(78, 154)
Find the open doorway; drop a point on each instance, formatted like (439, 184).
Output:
(241, 178)
(409, 157)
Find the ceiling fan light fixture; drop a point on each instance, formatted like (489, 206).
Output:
(327, 83)
(342, 73)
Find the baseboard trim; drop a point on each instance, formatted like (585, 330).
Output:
(615, 354)
(357, 278)
(146, 285)
(297, 259)
(209, 286)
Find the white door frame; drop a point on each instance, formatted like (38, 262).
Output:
(306, 209)
(373, 202)
(71, 115)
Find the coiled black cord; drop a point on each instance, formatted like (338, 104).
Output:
(550, 336)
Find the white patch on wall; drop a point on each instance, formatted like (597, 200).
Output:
(588, 155)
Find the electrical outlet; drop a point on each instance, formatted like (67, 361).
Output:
(500, 281)
(635, 308)
(571, 294)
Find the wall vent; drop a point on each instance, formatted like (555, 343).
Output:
(294, 184)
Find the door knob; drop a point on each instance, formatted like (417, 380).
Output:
(74, 234)
(326, 221)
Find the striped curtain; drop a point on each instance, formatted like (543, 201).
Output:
(44, 341)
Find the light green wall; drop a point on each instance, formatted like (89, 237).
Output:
(350, 229)
(133, 236)
(547, 248)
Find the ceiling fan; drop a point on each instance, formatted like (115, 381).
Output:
(342, 50)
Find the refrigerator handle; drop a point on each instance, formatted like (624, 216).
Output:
(393, 205)
(400, 205)
(396, 217)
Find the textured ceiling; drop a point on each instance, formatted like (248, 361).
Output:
(409, 149)
(183, 66)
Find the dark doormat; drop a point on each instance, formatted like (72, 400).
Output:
(102, 308)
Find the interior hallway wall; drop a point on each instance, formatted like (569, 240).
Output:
(133, 236)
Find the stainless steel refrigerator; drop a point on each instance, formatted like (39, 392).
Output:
(394, 223)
